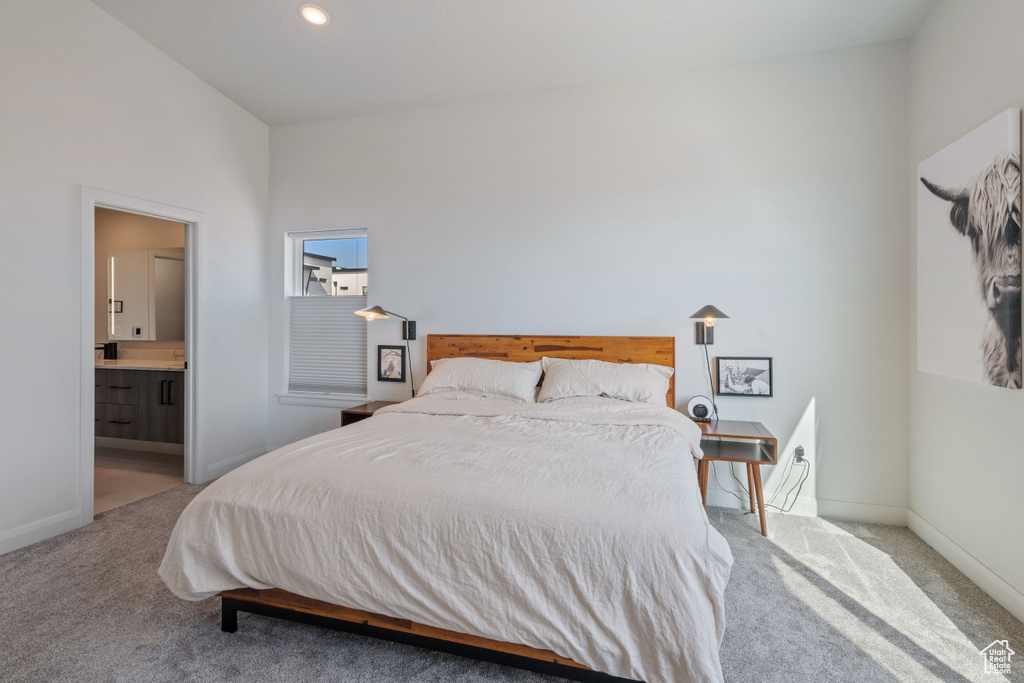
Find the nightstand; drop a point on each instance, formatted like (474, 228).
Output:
(732, 441)
(363, 411)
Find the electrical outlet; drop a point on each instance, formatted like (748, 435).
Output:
(799, 453)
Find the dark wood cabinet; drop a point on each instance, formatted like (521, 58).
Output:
(117, 386)
(117, 403)
(162, 407)
(147, 405)
(363, 411)
(121, 421)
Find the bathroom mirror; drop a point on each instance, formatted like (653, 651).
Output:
(146, 295)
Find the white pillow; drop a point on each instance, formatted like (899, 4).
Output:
(642, 382)
(484, 377)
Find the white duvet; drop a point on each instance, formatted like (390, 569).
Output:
(574, 526)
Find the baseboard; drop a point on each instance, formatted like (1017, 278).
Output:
(803, 507)
(973, 568)
(40, 530)
(862, 512)
(811, 507)
(221, 468)
(147, 446)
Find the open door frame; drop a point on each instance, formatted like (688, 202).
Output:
(193, 220)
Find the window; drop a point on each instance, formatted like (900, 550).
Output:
(326, 341)
(333, 266)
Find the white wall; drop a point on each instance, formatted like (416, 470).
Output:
(966, 458)
(773, 190)
(87, 102)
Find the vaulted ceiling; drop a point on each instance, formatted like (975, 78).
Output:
(379, 55)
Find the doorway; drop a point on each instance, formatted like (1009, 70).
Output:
(140, 357)
(139, 275)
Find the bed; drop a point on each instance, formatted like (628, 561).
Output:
(565, 537)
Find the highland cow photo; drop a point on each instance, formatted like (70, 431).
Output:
(969, 256)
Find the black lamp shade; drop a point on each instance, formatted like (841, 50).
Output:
(372, 312)
(708, 311)
(704, 331)
(378, 312)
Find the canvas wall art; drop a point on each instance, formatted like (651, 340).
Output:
(969, 256)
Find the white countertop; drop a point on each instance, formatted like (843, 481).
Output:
(172, 365)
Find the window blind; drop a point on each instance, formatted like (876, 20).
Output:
(327, 345)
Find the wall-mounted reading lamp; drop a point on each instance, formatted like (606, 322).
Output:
(408, 332)
(375, 312)
(704, 331)
(704, 334)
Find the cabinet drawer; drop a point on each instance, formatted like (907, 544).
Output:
(118, 421)
(118, 386)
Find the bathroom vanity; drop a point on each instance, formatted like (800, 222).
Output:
(140, 400)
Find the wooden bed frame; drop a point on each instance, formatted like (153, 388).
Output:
(523, 349)
(284, 605)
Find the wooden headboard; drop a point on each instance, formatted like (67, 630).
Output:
(524, 349)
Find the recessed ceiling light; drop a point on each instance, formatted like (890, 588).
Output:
(315, 15)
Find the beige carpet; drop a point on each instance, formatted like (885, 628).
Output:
(818, 601)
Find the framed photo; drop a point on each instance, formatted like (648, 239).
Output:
(391, 363)
(743, 376)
